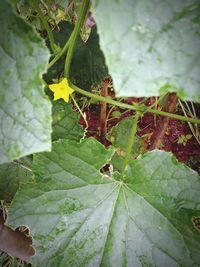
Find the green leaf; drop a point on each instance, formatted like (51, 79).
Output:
(25, 112)
(11, 175)
(151, 47)
(65, 122)
(116, 114)
(188, 136)
(80, 217)
(88, 65)
(118, 137)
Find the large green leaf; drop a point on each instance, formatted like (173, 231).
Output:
(65, 122)
(88, 64)
(25, 113)
(151, 46)
(80, 217)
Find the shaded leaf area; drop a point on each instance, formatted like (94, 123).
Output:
(65, 122)
(88, 64)
(95, 220)
(118, 136)
(25, 113)
(7, 260)
(151, 47)
(17, 243)
(11, 175)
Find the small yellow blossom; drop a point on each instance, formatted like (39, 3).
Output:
(61, 90)
(60, 15)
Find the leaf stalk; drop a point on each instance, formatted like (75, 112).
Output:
(142, 109)
(130, 143)
(83, 11)
(46, 26)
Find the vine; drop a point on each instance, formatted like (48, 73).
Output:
(96, 193)
(83, 11)
(130, 143)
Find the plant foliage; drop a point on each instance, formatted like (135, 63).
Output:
(24, 58)
(88, 65)
(160, 44)
(77, 202)
(95, 220)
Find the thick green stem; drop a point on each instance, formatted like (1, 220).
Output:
(130, 143)
(83, 11)
(132, 107)
(46, 25)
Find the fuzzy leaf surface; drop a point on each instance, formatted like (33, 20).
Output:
(80, 217)
(151, 47)
(25, 112)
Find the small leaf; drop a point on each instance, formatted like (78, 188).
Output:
(116, 114)
(188, 136)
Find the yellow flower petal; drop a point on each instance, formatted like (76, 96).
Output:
(61, 90)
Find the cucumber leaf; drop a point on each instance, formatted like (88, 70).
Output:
(81, 217)
(25, 112)
(151, 47)
(65, 122)
(11, 175)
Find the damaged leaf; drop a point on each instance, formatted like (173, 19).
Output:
(89, 219)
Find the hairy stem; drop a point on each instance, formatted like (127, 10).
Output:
(46, 26)
(83, 11)
(132, 107)
(130, 143)
(59, 55)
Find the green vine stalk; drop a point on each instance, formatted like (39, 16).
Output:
(142, 108)
(130, 143)
(83, 11)
(46, 26)
(60, 53)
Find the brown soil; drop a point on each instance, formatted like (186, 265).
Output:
(149, 126)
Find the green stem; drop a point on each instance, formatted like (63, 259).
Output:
(83, 11)
(59, 55)
(46, 25)
(130, 143)
(132, 107)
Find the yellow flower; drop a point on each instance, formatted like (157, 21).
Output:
(61, 90)
(60, 15)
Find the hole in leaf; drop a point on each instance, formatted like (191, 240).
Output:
(196, 222)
